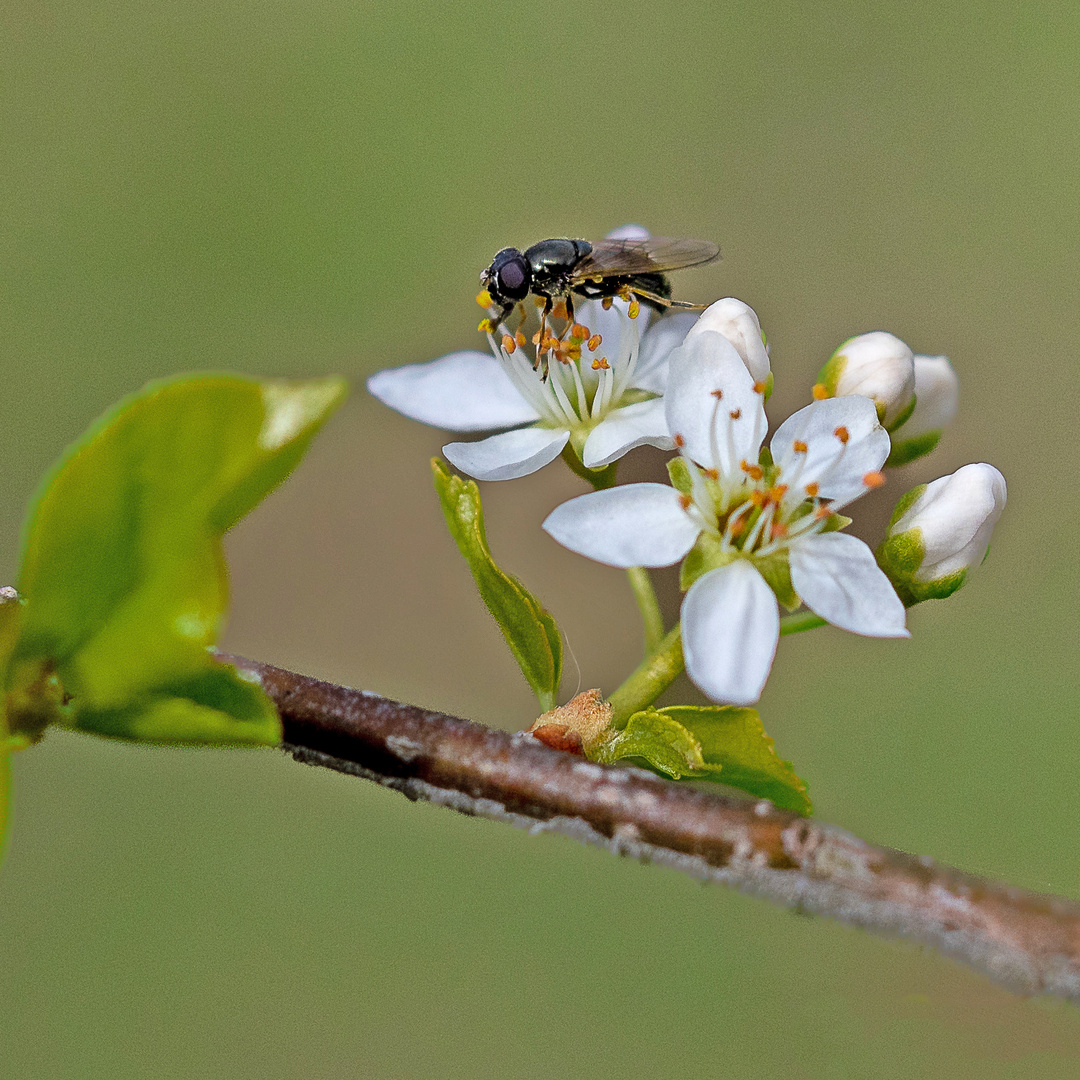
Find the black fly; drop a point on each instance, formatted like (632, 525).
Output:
(558, 269)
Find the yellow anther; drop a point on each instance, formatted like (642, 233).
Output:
(578, 331)
(519, 337)
(634, 309)
(759, 388)
(680, 442)
(842, 434)
(483, 298)
(799, 446)
(718, 394)
(595, 342)
(711, 474)
(685, 502)
(601, 364)
(573, 353)
(755, 472)
(759, 498)
(509, 344)
(873, 480)
(559, 310)
(487, 326)
(606, 303)
(812, 490)
(778, 492)
(820, 392)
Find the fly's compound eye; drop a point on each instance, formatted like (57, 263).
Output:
(510, 275)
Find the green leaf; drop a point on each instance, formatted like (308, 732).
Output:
(655, 738)
(531, 633)
(122, 571)
(734, 743)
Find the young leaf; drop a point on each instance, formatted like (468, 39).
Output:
(122, 571)
(733, 741)
(531, 633)
(665, 744)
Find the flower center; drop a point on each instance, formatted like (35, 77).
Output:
(586, 375)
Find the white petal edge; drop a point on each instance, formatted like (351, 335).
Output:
(632, 525)
(718, 432)
(730, 629)
(465, 391)
(509, 455)
(837, 578)
(641, 424)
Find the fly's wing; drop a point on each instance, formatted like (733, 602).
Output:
(656, 255)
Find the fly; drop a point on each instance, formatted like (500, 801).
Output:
(560, 269)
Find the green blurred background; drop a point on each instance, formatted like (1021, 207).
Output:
(297, 188)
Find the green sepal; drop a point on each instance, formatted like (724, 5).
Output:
(901, 419)
(901, 555)
(706, 554)
(531, 633)
(681, 479)
(734, 744)
(907, 500)
(829, 375)
(908, 450)
(663, 744)
(122, 571)
(769, 381)
(835, 522)
(776, 570)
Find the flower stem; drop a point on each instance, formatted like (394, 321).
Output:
(800, 621)
(599, 478)
(652, 677)
(649, 606)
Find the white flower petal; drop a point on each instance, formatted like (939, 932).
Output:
(937, 397)
(633, 525)
(509, 455)
(836, 466)
(660, 340)
(730, 629)
(712, 404)
(738, 322)
(836, 577)
(643, 423)
(879, 366)
(465, 391)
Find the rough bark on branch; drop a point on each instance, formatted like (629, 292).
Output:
(1029, 942)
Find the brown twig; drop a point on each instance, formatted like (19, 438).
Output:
(1029, 942)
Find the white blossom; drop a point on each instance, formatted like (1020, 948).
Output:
(877, 365)
(937, 397)
(738, 322)
(760, 531)
(942, 529)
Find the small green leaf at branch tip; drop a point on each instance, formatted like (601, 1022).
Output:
(722, 743)
(532, 634)
(663, 744)
(734, 745)
(122, 571)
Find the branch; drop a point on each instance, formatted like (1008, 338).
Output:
(1029, 942)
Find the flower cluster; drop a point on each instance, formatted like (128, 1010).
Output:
(756, 526)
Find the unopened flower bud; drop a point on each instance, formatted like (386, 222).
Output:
(937, 395)
(878, 366)
(941, 530)
(738, 322)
